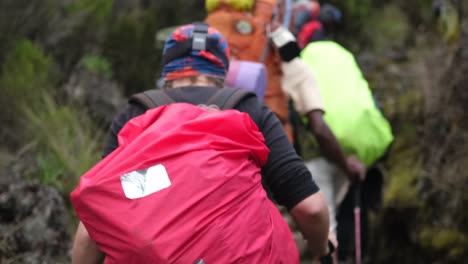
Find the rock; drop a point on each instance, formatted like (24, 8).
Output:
(396, 54)
(33, 224)
(16, 165)
(96, 93)
(33, 217)
(367, 62)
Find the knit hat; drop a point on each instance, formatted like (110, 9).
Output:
(195, 49)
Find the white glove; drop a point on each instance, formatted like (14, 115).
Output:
(282, 36)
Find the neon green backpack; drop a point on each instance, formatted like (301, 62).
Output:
(350, 109)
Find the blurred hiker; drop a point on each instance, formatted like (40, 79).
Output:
(207, 203)
(328, 88)
(243, 25)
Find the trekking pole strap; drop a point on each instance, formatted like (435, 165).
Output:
(357, 195)
(328, 259)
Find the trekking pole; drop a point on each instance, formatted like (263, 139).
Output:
(357, 222)
(286, 22)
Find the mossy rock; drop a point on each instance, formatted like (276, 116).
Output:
(401, 190)
(451, 243)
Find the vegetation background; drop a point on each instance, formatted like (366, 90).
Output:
(68, 65)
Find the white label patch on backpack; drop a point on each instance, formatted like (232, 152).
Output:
(138, 184)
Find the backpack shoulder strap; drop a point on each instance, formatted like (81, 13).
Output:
(228, 98)
(152, 98)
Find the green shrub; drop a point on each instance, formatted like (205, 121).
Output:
(26, 73)
(67, 143)
(97, 11)
(130, 47)
(97, 64)
(25, 19)
(446, 241)
(387, 27)
(355, 13)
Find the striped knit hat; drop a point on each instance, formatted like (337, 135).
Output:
(195, 49)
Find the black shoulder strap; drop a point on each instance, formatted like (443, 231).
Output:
(152, 98)
(228, 98)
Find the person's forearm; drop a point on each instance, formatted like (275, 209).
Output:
(311, 216)
(328, 144)
(85, 250)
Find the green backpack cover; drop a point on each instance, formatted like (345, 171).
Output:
(350, 109)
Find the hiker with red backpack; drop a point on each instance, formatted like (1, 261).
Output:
(186, 170)
(327, 87)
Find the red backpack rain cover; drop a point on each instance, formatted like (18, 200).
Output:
(184, 186)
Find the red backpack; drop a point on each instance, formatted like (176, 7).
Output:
(184, 186)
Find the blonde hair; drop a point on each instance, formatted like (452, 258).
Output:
(197, 81)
